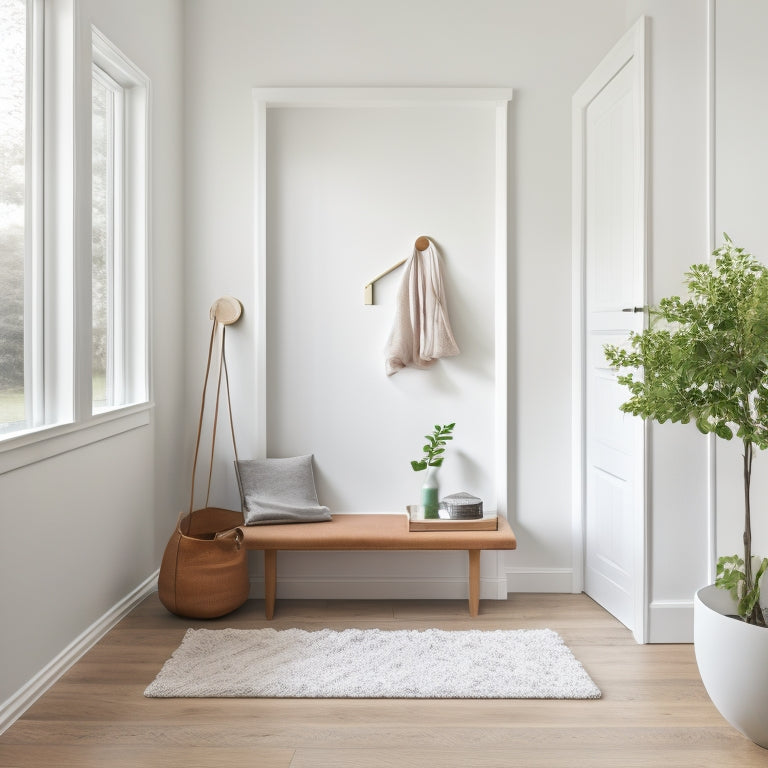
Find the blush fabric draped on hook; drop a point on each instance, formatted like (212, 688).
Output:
(422, 331)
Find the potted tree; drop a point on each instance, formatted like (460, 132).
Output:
(704, 359)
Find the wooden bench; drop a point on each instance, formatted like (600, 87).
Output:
(370, 532)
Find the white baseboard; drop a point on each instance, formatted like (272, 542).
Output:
(558, 580)
(15, 706)
(389, 588)
(670, 621)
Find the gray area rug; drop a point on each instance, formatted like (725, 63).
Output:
(373, 663)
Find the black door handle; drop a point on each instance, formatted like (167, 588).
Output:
(633, 309)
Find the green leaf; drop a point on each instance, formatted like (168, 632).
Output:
(724, 431)
(433, 450)
(730, 575)
(748, 602)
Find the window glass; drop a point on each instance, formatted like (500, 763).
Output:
(13, 194)
(108, 281)
(102, 238)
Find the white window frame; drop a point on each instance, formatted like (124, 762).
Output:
(130, 359)
(60, 362)
(34, 389)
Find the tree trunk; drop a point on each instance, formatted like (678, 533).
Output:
(756, 617)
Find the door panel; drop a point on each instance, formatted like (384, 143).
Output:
(613, 270)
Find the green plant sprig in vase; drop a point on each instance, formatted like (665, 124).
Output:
(434, 454)
(434, 450)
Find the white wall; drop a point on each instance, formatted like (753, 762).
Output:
(84, 529)
(543, 50)
(741, 130)
(349, 190)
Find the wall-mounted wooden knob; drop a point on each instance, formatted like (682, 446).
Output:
(422, 243)
(226, 310)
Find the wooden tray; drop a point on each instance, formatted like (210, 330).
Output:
(480, 524)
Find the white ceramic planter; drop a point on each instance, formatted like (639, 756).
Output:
(733, 663)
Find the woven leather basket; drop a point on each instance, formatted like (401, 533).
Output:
(204, 571)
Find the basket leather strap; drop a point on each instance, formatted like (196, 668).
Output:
(222, 369)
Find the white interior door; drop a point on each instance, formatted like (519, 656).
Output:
(611, 265)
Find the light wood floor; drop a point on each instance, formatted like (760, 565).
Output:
(654, 710)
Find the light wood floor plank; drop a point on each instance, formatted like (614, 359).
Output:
(65, 756)
(598, 756)
(654, 709)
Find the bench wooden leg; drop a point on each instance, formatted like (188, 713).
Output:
(474, 582)
(270, 581)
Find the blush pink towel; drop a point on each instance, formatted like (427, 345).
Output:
(422, 332)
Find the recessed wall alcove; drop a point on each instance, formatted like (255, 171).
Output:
(346, 180)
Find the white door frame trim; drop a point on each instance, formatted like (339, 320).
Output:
(712, 236)
(631, 46)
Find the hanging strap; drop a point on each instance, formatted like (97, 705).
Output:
(222, 368)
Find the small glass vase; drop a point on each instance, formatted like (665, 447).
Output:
(429, 494)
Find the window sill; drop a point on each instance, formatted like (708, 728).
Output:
(44, 443)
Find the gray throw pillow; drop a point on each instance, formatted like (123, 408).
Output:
(279, 491)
